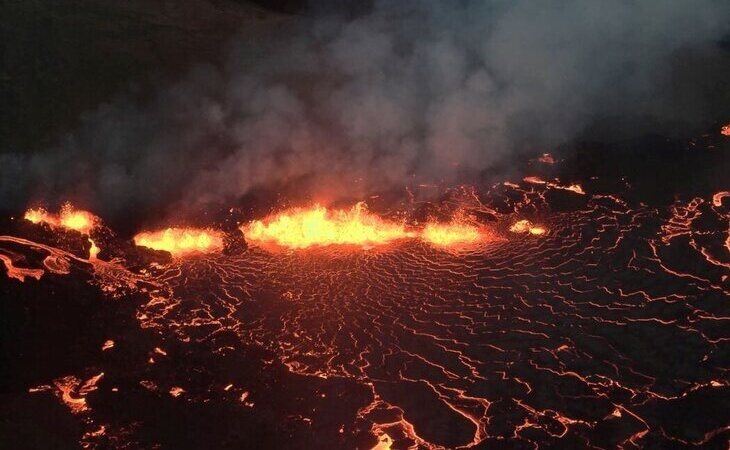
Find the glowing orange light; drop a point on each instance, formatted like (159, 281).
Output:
(181, 241)
(577, 188)
(450, 234)
(66, 387)
(39, 215)
(19, 273)
(73, 393)
(93, 250)
(318, 226)
(725, 130)
(69, 218)
(534, 180)
(176, 391)
(546, 158)
(717, 198)
(525, 226)
(385, 442)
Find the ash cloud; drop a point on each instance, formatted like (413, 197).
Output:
(407, 91)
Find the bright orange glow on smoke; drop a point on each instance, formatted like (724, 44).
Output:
(318, 226)
(69, 218)
(181, 241)
(451, 234)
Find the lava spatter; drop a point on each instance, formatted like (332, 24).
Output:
(68, 217)
(318, 226)
(455, 233)
(575, 188)
(301, 228)
(181, 241)
(460, 330)
(525, 226)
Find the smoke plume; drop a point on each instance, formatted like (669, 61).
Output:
(407, 91)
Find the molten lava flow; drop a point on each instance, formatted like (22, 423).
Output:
(73, 393)
(19, 273)
(575, 188)
(181, 241)
(69, 218)
(717, 198)
(525, 226)
(534, 180)
(451, 234)
(385, 442)
(318, 226)
(94, 250)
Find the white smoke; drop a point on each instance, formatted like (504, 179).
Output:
(427, 91)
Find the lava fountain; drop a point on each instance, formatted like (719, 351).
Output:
(415, 346)
(525, 226)
(69, 218)
(300, 228)
(450, 234)
(181, 241)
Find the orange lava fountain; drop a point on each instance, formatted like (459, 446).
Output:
(451, 234)
(69, 218)
(301, 228)
(181, 241)
(525, 226)
(318, 226)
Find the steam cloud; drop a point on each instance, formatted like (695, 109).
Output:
(411, 90)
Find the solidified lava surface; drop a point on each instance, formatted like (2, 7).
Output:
(608, 331)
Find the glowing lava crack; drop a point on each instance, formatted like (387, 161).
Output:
(586, 335)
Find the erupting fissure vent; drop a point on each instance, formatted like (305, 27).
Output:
(69, 218)
(181, 241)
(582, 335)
(300, 228)
(318, 226)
